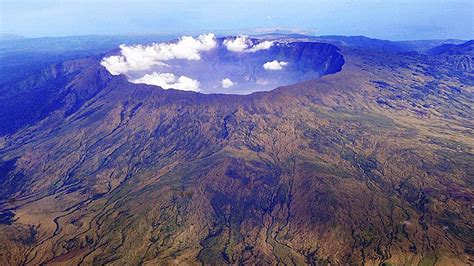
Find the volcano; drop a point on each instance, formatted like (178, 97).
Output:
(347, 155)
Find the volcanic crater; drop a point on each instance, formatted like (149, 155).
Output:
(231, 65)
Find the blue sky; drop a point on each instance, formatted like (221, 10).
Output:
(386, 19)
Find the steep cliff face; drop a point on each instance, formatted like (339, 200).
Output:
(303, 61)
(369, 165)
(61, 88)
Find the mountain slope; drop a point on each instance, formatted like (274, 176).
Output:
(369, 165)
(460, 56)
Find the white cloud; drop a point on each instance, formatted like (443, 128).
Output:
(115, 64)
(239, 44)
(169, 81)
(227, 83)
(139, 57)
(261, 46)
(243, 43)
(274, 65)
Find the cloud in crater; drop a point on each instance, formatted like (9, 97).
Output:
(275, 65)
(227, 83)
(169, 81)
(140, 57)
(161, 64)
(243, 43)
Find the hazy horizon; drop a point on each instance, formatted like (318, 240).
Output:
(392, 20)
